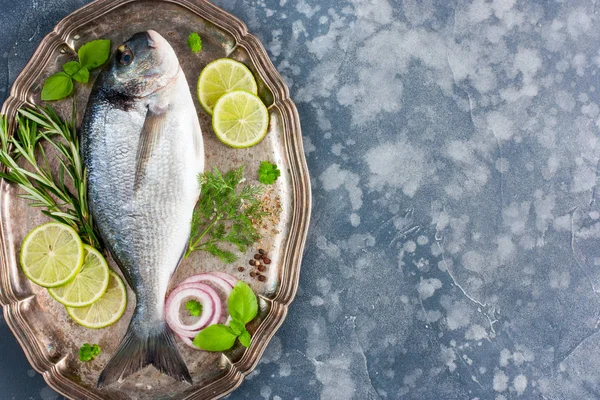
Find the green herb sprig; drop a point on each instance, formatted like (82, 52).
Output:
(91, 55)
(243, 308)
(225, 214)
(194, 307)
(194, 42)
(44, 190)
(88, 352)
(268, 173)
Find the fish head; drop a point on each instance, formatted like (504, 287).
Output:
(143, 65)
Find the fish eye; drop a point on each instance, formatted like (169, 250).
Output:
(126, 56)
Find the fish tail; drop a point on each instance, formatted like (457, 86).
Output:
(138, 350)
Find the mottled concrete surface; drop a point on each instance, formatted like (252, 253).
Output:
(454, 153)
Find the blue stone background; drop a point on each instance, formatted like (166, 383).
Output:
(454, 155)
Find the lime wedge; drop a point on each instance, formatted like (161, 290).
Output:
(52, 254)
(240, 119)
(106, 310)
(220, 77)
(88, 285)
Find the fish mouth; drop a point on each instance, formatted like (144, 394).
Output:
(157, 42)
(150, 38)
(153, 38)
(167, 63)
(154, 65)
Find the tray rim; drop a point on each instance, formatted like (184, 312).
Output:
(300, 210)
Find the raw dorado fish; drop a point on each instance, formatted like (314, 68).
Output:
(142, 146)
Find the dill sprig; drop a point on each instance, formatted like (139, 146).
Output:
(34, 176)
(225, 214)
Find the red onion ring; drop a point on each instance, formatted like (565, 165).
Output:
(224, 285)
(226, 277)
(211, 308)
(188, 341)
(223, 281)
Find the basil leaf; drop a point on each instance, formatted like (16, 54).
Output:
(76, 71)
(237, 327)
(93, 54)
(57, 86)
(71, 67)
(242, 303)
(82, 76)
(245, 338)
(215, 338)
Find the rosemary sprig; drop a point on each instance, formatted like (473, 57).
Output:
(225, 214)
(34, 176)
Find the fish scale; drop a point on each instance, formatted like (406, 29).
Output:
(142, 146)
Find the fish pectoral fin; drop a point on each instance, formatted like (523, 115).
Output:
(198, 145)
(154, 125)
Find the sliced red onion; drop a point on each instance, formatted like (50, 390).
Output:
(226, 277)
(223, 281)
(211, 308)
(222, 284)
(188, 341)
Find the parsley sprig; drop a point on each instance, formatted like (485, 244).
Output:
(243, 308)
(88, 352)
(194, 308)
(194, 42)
(51, 192)
(225, 214)
(268, 173)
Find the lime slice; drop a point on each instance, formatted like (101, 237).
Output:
(106, 310)
(52, 254)
(240, 119)
(88, 285)
(220, 77)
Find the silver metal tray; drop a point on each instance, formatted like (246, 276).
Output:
(48, 337)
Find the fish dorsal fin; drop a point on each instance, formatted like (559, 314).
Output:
(154, 125)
